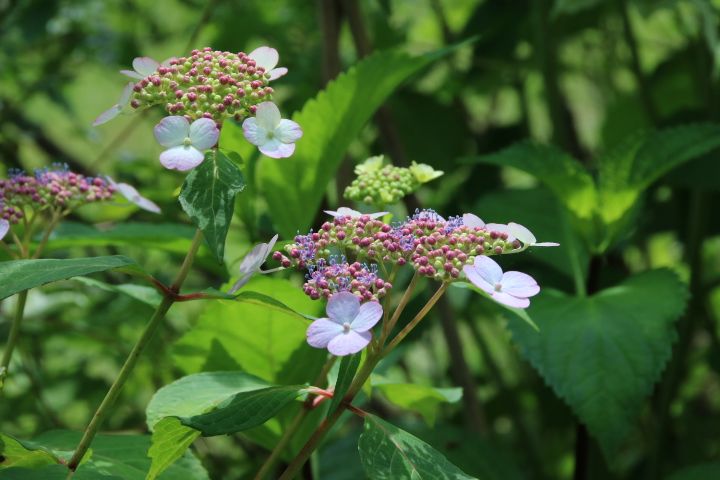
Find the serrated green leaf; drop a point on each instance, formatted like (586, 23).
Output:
(348, 368)
(208, 197)
(602, 354)
(18, 453)
(170, 440)
(330, 122)
(19, 275)
(389, 453)
(197, 393)
(244, 410)
(422, 399)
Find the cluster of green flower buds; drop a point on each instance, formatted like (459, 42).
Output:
(379, 184)
(206, 84)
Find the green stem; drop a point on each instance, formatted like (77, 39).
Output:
(388, 326)
(357, 384)
(104, 409)
(294, 426)
(13, 337)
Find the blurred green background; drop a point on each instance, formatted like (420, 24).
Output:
(581, 74)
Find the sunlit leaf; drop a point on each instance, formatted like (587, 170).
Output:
(19, 275)
(208, 197)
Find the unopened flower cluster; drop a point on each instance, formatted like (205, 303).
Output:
(206, 84)
(57, 189)
(378, 184)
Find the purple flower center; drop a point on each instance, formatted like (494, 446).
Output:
(498, 287)
(346, 327)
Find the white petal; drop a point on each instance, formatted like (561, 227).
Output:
(145, 66)
(125, 95)
(181, 158)
(276, 73)
(276, 149)
(288, 131)
(253, 132)
(4, 228)
(521, 233)
(476, 279)
(510, 301)
(519, 284)
(343, 307)
(172, 131)
(268, 116)
(377, 215)
(254, 259)
(133, 196)
(322, 331)
(204, 133)
(265, 57)
(244, 278)
(500, 228)
(488, 269)
(344, 212)
(349, 343)
(546, 244)
(107, 115)
(472, 221)
(368, 316)
(132, 74)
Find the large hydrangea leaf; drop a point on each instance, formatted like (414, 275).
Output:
(603, 354)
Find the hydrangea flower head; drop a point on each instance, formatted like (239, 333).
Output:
(346, 330)
(526, 236)
(252, 262)
(204, 84)
(509, 288)
(185, 142)
(273, 135)
(349, 212)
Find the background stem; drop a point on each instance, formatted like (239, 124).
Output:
(127, 368)
(13, 337)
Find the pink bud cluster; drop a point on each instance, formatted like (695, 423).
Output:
(434, 247)
(328, 278)
(48, 188)
(207, 84)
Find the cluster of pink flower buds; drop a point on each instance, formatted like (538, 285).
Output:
(435, 247)
(325, 278)
(49, 188)
(207, 84)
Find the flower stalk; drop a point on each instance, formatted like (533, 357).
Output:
(357, 384)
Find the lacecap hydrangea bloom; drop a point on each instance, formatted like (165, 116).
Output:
(211, 85)
(58, 191)
(346, 256)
